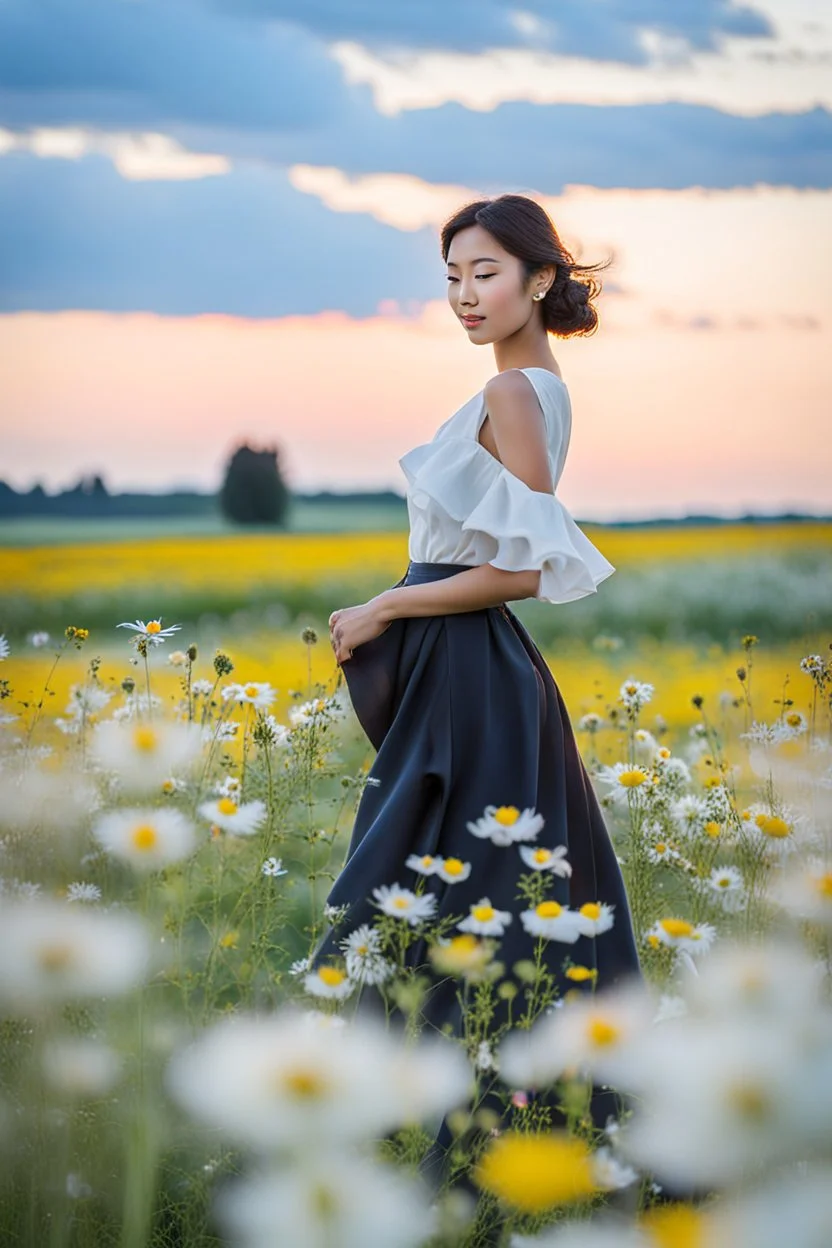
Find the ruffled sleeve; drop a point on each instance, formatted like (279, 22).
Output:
(535, 530)
(524, 528)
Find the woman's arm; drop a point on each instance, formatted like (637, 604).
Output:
(519, 433)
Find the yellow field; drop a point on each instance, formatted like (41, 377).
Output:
(235, 563)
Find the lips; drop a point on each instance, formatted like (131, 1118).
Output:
(471, 320)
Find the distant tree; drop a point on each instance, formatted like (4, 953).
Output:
(253, 491)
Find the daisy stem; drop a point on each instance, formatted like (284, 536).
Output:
(147, 682)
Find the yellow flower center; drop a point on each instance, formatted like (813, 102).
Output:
(677, 927)
(145, 739)
(653, 941)
(54, 958)
(454, 866)
(362, 949)
(660, 848)
(712, 782)
(773, 826)
(331, 976)
(534, 1172)
(632, 777)
(794, 719)
(482, 913)
(227, 806)
(591, 910)
(506, 815)
(427, 861)
(302, 1084)
(824, 885)
(154, 627)
(601, 1032)
(542, 855)
(664, 752)
(251, 691)
(144, 837)
(674, 1226)
(724, 881)
(712, 829)
(168, 786)
(401, 903)
(548, 909)
(229, 940)
(581, 973)
(751, 1102)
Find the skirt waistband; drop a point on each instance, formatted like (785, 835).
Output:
(419, 571)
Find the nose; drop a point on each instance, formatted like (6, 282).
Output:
(467, 294)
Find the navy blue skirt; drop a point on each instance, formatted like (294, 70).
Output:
(464, 712)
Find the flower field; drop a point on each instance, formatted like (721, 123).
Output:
(177, 798)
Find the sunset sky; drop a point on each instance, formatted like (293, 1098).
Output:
(220, 222)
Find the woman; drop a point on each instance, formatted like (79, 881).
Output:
(473, 740)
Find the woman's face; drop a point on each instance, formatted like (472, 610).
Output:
(486, 282)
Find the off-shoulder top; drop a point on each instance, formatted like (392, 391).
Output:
(465, 507)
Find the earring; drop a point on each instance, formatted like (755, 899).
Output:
(541, 294)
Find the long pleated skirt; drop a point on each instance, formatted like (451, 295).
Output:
(464, 713)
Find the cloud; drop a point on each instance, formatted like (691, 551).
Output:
(73, 234)
(600, 31)
(149, 63)
(546, 147)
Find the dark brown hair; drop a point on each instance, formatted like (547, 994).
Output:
(525, 230)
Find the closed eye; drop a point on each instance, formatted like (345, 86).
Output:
(456, 279)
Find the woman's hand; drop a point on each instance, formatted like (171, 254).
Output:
(352, 626)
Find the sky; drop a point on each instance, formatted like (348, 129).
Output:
(219, 222)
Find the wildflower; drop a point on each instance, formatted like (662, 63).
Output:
(595, 917)
(39, 639)
(484, 1059)
(552, 920)
(425, 864)
(680, 934)
(177, 658)
(369, 1202)
(201, 688)
(504, 825)
(463, 955)
(334, 914)
(661, 851)
(257, 694)
(83, 892)
(313, 710)
(727, 884)
(239, 820)
(151, 632)
(147, 838)
(805, 891)
(635, 693)
(144, 754)
(330, 982)
(690, 814)
(609, 1173)
(271, 732)
(300, 967)
(625, 779)
(590, 722)
(53, 953)
(401, 903)
(273, 867)
(5, 649)
(484, 920)
(535, 1172)
(812, 665)
(80, 1066)
(453, 870)
(363, 956)
(580, 974)
(553, 860)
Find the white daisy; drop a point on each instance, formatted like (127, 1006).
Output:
(5, 649)
(690, 814)
(401, 903)
(152, 631)
(485, 1059)
(201, 688)
(330, 982)
(274, 867)
(552, 920)
(300, 967)
(147, 838)
(635, 693)
(777, 833)
(595, 917)
(504, 825)
(144, 754)
(239, 820)
(363, 956)
(52, 953)
(39, 639)
(453, 870)
(674, 772)
(273, 733)
(137, 706)
(83, 892)
(256, 693)
(540, 859)
(425, 864)
(728, 885)
(609, 1173)
(590, 722)
(313, 710)
(812, 665)
(231, 786)
(661, 851)
(626, 780)
(484, 920)
(80, 1066)
(680, 934)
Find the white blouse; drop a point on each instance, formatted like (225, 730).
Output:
(465, 507)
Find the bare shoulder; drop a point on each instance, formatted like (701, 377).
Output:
(510, 396)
